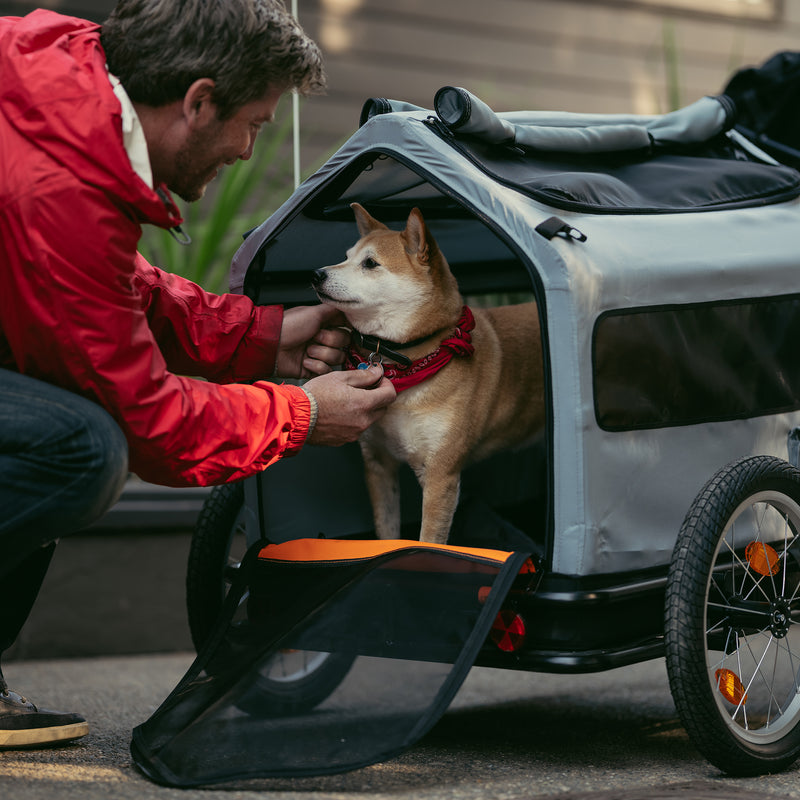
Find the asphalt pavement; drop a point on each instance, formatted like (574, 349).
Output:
(507, 735)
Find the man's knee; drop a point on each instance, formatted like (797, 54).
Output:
(106, 460)
(90, 456)
(63, 459)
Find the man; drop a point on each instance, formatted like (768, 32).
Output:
(97, 126)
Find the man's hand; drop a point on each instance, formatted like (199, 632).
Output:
(310, 343)
(348, 403)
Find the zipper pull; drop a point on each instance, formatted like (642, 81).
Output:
(180, 235)
(177, 233)
(439, 127)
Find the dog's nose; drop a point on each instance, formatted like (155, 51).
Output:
(318, 277)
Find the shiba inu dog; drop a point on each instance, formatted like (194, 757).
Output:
(469, 382)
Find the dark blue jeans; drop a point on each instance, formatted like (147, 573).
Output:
(63, 463)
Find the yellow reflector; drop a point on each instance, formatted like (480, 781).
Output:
(762, 558)
(730, 687)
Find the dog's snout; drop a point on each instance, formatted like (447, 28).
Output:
(318, 277)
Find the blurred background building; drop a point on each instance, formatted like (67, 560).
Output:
(639, 56)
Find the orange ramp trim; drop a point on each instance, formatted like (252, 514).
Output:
(305, 550)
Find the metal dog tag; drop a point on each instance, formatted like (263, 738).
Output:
(373, 360)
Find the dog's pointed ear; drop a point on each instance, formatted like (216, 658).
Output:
(365, 222)
(418, 239)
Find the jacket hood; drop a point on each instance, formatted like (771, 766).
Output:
(56, 95)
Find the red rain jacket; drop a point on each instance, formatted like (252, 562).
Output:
(81, 309)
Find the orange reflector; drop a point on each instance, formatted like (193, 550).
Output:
(730, 687)
(483, 594)
(508, 631)
(762, 558)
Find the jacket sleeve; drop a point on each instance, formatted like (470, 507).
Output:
(76, 315)
(223, 338)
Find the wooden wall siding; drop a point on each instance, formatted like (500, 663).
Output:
(573, 55)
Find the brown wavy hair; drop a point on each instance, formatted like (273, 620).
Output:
(158, 48)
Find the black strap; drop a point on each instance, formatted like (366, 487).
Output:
(385, 347)
(554, 226)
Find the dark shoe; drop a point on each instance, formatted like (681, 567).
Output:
(22, 724)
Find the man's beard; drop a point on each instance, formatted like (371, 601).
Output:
(192, 170)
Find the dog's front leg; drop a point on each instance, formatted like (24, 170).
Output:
(439, 500)
(383, 485)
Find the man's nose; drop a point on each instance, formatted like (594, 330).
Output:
(248, 152)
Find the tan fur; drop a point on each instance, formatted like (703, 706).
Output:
(471, 408)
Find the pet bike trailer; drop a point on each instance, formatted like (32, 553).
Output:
(661, 506)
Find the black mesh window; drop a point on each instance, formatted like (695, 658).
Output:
(680, 365)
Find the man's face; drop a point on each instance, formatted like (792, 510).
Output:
(207, 149)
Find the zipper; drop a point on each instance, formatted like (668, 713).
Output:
(177, 233)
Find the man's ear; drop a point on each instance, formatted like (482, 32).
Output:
(199, 107)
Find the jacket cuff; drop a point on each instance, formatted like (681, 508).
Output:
(304, 416)
(313, 413)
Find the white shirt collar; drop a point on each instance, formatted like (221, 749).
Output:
(133, 134)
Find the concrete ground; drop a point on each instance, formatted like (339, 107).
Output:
(508, 735)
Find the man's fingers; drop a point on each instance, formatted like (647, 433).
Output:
(386, 393)
(381, 391)
(312, 366)
(319, 360)
(336, 338)
(364, 378)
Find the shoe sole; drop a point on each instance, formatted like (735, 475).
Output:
(35, 737)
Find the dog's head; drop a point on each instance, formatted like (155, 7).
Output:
(393, 284)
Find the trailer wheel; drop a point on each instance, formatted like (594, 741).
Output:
(732, 623)
(293, 680)
(217, 547)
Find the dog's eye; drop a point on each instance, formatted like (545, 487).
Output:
(369, 263)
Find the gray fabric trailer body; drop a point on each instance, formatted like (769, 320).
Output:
(689, 243)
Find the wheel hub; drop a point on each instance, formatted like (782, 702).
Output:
(780, 618)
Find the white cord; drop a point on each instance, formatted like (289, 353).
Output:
(296, 122)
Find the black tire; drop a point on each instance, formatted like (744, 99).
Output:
(293, 681)
(218, 545)
(732, 624)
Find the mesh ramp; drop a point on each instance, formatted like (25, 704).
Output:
(330, 655)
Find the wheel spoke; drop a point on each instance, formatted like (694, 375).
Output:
(785, 644)
(785, 555)
(760, 540)
(735, 608)
(746, 570)
(773, 682)
(740, 705)
(758, 673)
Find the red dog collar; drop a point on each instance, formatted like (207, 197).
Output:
(457, 344)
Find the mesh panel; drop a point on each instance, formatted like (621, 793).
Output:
(322, 664)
